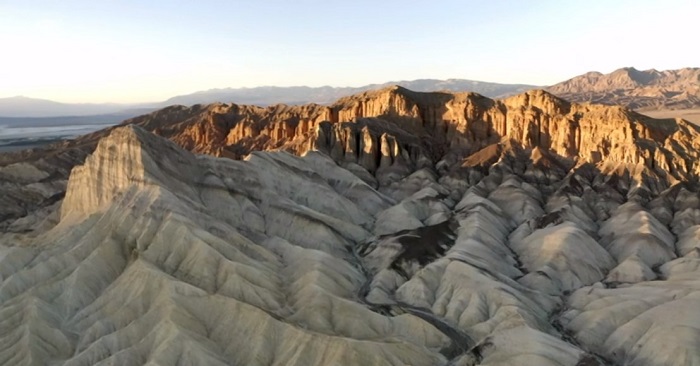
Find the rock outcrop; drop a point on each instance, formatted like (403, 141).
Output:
(392, 228)
(645, 90)
(396, 129)
(386, 134)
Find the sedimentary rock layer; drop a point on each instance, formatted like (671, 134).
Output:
(407, 228)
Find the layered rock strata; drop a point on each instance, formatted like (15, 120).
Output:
(406, 228)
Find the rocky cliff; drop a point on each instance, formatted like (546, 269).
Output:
(396, 126)
(636, 89)
(404, 228)
(385, 134)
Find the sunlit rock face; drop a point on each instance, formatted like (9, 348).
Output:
(637, 89)
(390, 228)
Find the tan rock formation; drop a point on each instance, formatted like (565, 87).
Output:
(385, 127)
(386, 134)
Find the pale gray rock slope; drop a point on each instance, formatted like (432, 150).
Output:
(163, 257)
(511, 256)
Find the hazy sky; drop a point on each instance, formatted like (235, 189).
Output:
(142, 51)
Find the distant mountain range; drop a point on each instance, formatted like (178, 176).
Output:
(32, 107)
(262, 96)
(642, 90)
(267, 95)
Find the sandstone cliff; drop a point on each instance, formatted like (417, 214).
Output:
(396, 129)
(383, 135)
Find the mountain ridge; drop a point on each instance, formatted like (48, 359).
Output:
(636, 89)
(392, 227)
(435, 116)
(263, 95)
(328, 94)
(643, 90)
(385, 133)
(26, 107)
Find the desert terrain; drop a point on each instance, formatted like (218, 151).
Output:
(392, 227)
(692, 115)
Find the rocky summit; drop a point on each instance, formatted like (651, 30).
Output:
(646, 90)
(389, 228)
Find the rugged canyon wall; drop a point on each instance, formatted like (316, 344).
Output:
(383, 135)
(376, 128)
(403, 228)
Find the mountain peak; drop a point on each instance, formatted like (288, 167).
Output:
(648, 89)
(627, 69)
(130, 156)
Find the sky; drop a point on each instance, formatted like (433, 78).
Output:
(129, 51)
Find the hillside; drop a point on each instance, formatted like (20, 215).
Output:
(635, 89)
(390, 227)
